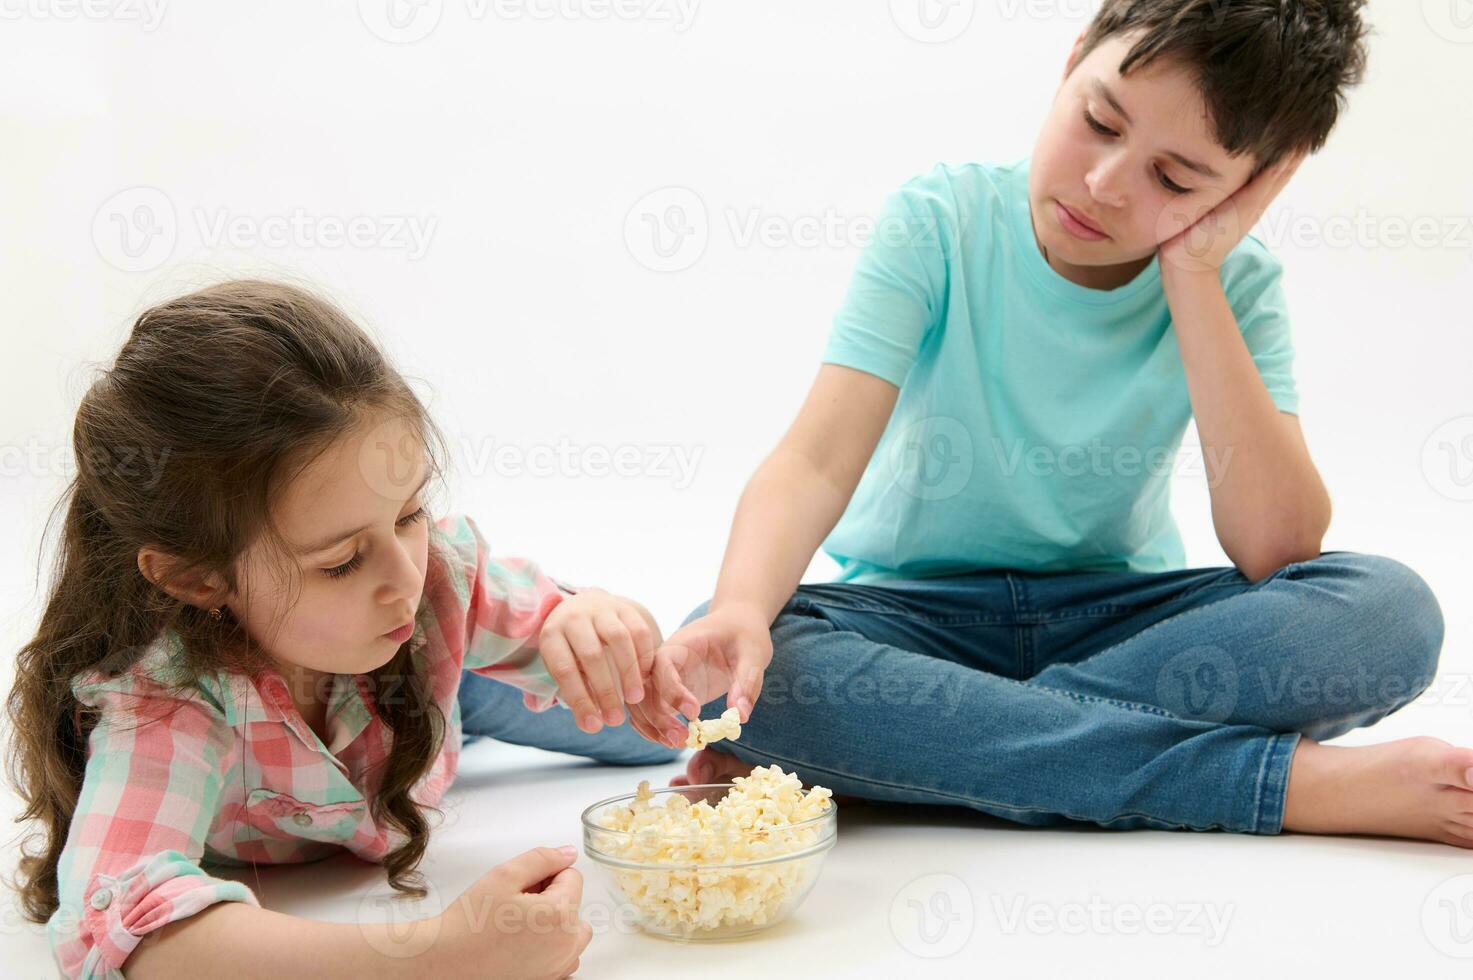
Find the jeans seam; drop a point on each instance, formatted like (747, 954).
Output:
(1282, 744)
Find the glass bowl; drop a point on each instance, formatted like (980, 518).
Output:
(707, 885)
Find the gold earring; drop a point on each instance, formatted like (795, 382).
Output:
(215, 614)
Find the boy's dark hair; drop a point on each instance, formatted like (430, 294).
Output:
(1271, 72)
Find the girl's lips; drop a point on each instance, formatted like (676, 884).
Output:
(1075, 226)
(402, 633)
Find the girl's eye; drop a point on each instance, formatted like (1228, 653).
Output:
(352, 564)
(1166, 181)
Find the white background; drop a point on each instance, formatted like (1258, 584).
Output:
(530, 144)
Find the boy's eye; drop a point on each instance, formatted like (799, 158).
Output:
(352, 564)
(1166, 181)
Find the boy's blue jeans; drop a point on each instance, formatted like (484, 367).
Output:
(1171, 700)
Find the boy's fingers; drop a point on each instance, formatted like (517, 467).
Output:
(588, 649)
(563, 666)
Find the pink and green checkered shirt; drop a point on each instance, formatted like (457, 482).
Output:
(230, 774)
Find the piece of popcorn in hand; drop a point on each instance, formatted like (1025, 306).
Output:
(702, 733)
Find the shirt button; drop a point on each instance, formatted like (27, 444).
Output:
(302, 819)
(101, 899)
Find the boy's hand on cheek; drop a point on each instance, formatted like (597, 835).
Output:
(1204, 245)
(599, 649)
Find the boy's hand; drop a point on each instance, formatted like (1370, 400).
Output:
(1204, 245)
(723, 652)
(599, 648)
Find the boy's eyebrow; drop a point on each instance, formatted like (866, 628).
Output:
(1201, 168)
(331, 540)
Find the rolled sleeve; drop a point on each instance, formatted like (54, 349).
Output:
(151, 791)
(508, 600)
(117, 911)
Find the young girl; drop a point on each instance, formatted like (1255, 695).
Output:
(1023, 344)
(261, 648)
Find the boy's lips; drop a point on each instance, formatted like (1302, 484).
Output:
(1084, 219)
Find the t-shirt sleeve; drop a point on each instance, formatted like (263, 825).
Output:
(1255, 291)
(151, 790)
(507, 600)
(897, 291)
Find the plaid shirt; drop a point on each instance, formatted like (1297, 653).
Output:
(230, 773)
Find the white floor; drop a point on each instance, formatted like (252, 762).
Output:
(943, 892)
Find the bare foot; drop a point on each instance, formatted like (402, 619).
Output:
(711, 765)
(1414, 787)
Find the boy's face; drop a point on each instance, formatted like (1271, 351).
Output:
(1127, 182)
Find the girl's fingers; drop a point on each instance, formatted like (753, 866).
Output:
(588, 650)
(644, 640)
(620, 645)
(563, 666)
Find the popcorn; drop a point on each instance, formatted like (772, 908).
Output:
(702, 733)
(755, 821)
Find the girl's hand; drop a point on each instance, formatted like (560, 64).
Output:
(599, 648)
(521, 919)
(724, 652)
(1204, 245)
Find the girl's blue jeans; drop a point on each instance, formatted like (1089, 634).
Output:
(1169, 700)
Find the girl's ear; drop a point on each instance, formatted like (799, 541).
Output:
(203, 591)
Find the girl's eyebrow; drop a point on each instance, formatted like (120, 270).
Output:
(335, 539)
(1104, 92)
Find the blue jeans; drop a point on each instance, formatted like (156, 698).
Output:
(492, 709)
(1170, 700)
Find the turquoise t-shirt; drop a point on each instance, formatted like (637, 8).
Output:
(1039, 421)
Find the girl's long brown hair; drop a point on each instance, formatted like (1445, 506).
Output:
(215, 401)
